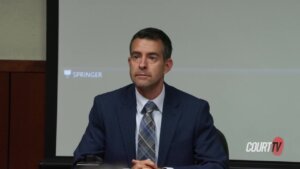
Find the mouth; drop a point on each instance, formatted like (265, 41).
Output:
(142, 75)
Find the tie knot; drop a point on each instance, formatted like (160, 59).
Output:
(149, 107)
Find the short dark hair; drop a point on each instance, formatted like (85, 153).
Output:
(155, 34)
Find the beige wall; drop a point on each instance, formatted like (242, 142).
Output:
(23, 29)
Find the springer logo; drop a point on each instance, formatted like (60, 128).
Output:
(276, 146)
(82, 74)
(67, 73)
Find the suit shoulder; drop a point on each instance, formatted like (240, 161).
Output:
(115, 94)
(186, 97)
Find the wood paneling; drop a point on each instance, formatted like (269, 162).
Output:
(27, 120)
(22, 113)
(22, 66)
(4, 119)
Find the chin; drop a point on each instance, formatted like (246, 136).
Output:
(140, 85)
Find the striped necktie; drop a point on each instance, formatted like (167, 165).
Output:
(147, 137)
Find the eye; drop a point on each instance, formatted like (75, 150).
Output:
(152, 57)
(135, 56)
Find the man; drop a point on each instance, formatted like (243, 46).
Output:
(176, 132)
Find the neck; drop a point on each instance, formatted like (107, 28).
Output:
(150, 93)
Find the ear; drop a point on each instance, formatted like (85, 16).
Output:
(168, 65)
(128, 60)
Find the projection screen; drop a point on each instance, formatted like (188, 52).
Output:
(242, 56)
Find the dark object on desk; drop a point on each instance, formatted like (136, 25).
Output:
(95, 162)
(90, 162)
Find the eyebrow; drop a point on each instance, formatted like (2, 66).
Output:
(135, 52)
(153, 53)
(150, 53)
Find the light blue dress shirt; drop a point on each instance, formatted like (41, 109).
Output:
(157, 115)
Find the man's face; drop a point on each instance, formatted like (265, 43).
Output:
(147, 65)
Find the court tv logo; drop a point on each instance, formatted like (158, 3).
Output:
(276, 146)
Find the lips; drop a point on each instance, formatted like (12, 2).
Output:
(142, 75)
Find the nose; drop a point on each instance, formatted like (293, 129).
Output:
(143, 63)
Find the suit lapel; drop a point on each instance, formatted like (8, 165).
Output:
(170, 117)
(127, 121)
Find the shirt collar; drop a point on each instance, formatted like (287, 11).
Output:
(141, 100)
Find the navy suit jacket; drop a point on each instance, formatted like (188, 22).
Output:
(188, 138)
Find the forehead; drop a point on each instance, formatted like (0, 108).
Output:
(144, 45)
